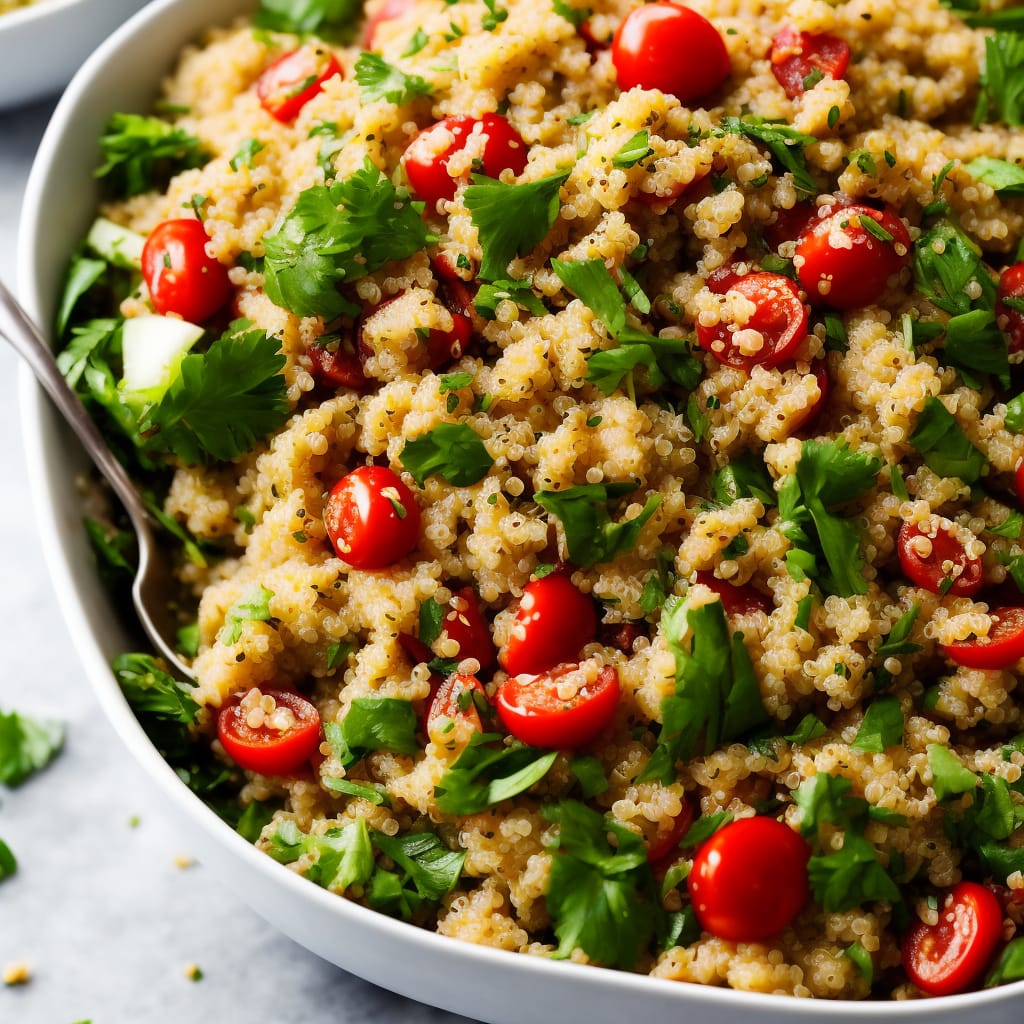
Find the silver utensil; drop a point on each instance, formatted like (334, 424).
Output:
(153, 581)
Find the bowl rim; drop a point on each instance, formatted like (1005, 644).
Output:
(38, 420)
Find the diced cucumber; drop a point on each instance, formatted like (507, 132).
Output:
(153, 348)
(118, 245)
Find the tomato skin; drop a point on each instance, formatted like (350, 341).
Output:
(663, 848)
(337, 368)
(447, 702)
(265, 750)
(531, 710)
(841, 264)
(812, 412)
(795, 55)
(554, 622)
(426, 157)
(925, 570)
(290, 82)
(364, 526)
(464, 622)
(1018, 480)
(1011, 286)
(181, 276)
(672, 48)
(749, 880)
(737, 599)
(1003, 647)
(387, 11)
(780, 317)
(948, 957)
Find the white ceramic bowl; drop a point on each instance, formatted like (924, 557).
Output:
(497, 987)
(44, 44)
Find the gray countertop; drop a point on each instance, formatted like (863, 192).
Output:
(106, 909)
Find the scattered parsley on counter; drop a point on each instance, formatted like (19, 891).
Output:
(8, 863)
(26, 745)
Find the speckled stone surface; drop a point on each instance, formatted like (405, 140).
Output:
(106, 909)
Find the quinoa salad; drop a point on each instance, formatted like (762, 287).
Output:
(591, 441)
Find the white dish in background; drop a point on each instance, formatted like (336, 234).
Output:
(43, 45)
(494, 986)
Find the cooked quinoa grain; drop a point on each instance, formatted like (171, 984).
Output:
(684, 487)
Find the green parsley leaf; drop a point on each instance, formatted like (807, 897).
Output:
(255, 607)
(601, 898)
(115, 551)
(716, 698)
(223, 401)
(949, 776)
(246, 153)
(576, 16)
(851, 876)
(975, 343)
(862, 960)
(8, 862)
(431, 620)
(452, 451)
(948, 266)
(339, 233)
(511, 220)
(744, 477)
(342, 857)
(379, 80)
(1010, 965)
(589, 774)
(1014, 418)
(704, 828)
(945, 448)
(1002, 80)
(825, 798)
(659, 584)
(418, 41)
(374, 794)
(143, 153)
(190, 545)
(187, 639)
(330, 20)
(151, 690)
(338, 653)
(590, 534)
(82, 274)
(895, 644)
(1010, 526)
(373, 723)
(1006, 178)
(488, 296)
(636, 149)
(881, 727)
(26, 745)
(809, 728)
(428, 870)
(785, 144)
(484, 774)
(256, 816)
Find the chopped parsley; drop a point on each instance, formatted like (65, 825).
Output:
(785, 144)
(949, 776)
(341, 857)
(896, 643)
(426, 871)
(511, 220)
(590, 533)
(246, 153)
(330, 20)
(26, 745)
(881, 727)
(1006, 179)
(744, 477)
(255, 607)
(339, 233)
(1010, 965)
(452, 451)
(1002, 81)
(373, 723)
(808, 729)
(418, 41)
(636, 149)
(488, 296)
(8, 862)
(576, 16)
(704, 828)
(143, 153)
(149, 689)
(379, 80)
(945, 448)
(716, 698)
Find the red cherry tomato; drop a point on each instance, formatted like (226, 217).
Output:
(389, 10)
(737, 599)
(288, 84)
(796, 56)
(749, 880)
(931, 561)
(1003, 647)
(1011, 286)
(181, 276)
(540, 709)
(271, 743)
(780, 318)
(669, 47)
(665, 845)
(336, 367)
(789, 224)
(811, 413)
(622, 635)
(554, 622)
(464, 622)
(453, 700)
(949, 956)
(842, 264)
(426, 157)
(372, 518)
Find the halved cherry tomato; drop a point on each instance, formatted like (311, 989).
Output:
(272, 732)
(949, 956)
(288, 84)
(555, 620)
(426, 157)
(842, 264)
(774, 331)
(932, 561)
(737, 599)
(1004, 645)
(561, 708)
(665, 844)
(453, 699)
(796, 56)
(464, 623)
(789, 224)
(1011, 286)
(336, 367)
(389, 10)
(666, 46)
(749, 880)
(181, 276)
(372, 518)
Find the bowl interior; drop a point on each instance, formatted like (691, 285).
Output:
(60, 203)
